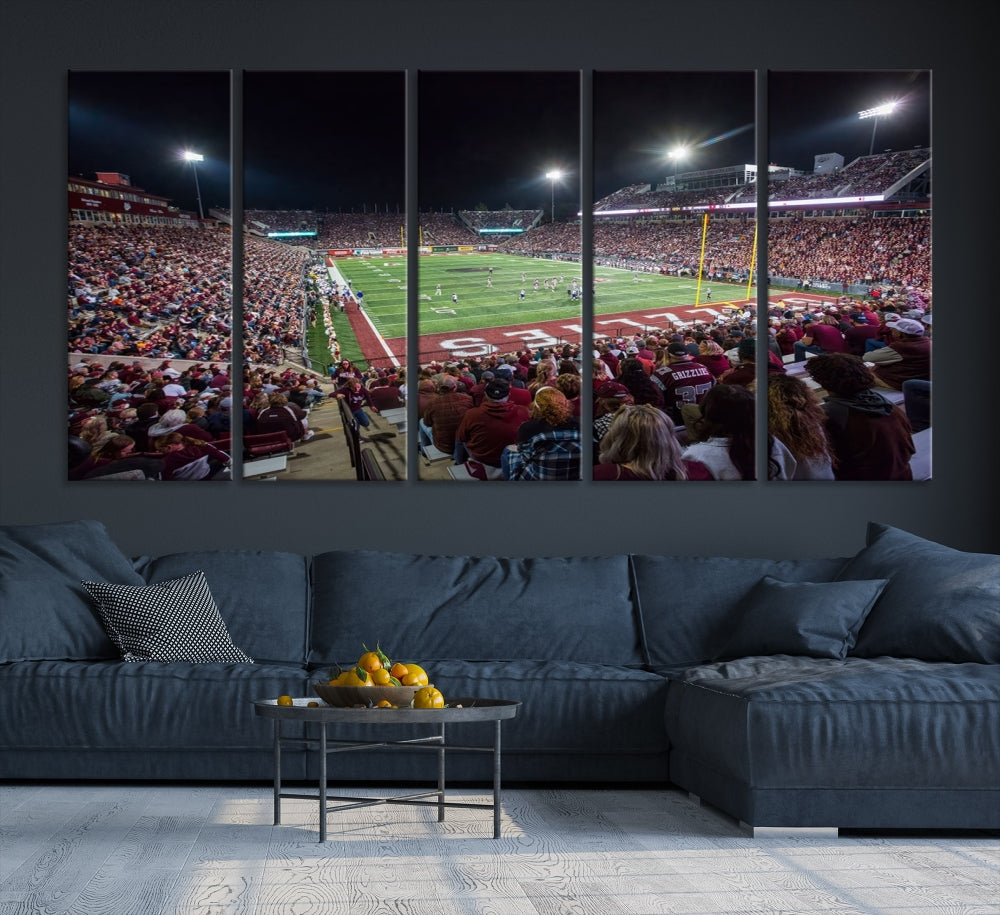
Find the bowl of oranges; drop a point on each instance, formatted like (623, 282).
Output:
(375, 681)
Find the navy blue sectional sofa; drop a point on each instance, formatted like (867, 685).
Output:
(850, 692)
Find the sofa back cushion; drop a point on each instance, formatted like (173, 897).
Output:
(940, 604)
(262, 596)
(473, 608)
(689, 605)
(45, 612)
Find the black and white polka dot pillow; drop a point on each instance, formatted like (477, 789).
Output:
(169, 621)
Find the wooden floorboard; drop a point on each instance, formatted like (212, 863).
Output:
(207, 850)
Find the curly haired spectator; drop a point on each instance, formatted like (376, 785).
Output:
(548, 444)
(727, 453)
(871, 439)
(796, 419)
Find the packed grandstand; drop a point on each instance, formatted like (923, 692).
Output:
(150, 317)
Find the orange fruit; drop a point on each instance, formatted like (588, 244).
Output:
(399, 670)
(428, 697)
(285, 700)
(370, 661)
(415, 676)
(381, 677)
(383, 703)
(356, 676)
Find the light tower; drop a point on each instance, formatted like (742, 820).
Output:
(676, 154)
(553, 177)
(194, 158)
(880, 111)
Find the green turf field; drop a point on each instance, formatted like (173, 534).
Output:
(384, 283)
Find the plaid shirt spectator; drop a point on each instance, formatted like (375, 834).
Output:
(550, 455)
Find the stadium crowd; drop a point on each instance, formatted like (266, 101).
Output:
(274, 300)
(679, 403)
(150, 291)
(671, 404)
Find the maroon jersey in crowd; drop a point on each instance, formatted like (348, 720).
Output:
(857, 335)
(682, 382)
(827, 337)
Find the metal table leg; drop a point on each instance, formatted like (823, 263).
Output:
(496, 779)
(277, 771)
(322, 781)
(440, 755)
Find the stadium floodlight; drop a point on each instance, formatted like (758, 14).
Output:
(678, 153)
(194, 158)
(553, 176)
(879, 111)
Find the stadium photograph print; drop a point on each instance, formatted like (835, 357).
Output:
(324, 276)
(674, 296)
(500, 282)
(149, 278)
(849, 309)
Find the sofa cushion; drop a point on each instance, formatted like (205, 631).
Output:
(263, 596)
(45, 612)
(169, 621)
(816, 619)
(940, 604)
(422, 608)
(577, 722)
(147, 709)
(688, 604)
(785, 722)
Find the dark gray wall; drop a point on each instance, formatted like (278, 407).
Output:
(43, 38)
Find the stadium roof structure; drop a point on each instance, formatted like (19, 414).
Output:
(866, 180)
(500, 222)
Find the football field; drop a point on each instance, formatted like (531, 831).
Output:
(485, 296)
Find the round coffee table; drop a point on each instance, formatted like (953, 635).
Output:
(495, 710)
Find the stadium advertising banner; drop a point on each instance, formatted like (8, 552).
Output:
(365, 252)
(78, 201)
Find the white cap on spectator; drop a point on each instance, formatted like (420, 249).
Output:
(909, 326)
(169, 422)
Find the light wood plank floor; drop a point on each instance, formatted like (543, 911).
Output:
(209, 850)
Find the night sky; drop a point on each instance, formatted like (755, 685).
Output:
(336, 140)
(140, 123)
(490, 138)
(324, 141)
(815, 113)
(639, 116)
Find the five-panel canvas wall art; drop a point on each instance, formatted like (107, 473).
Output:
(499, 276)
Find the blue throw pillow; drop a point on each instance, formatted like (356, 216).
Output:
(814, 619)
(45, 613)
(940, 604)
